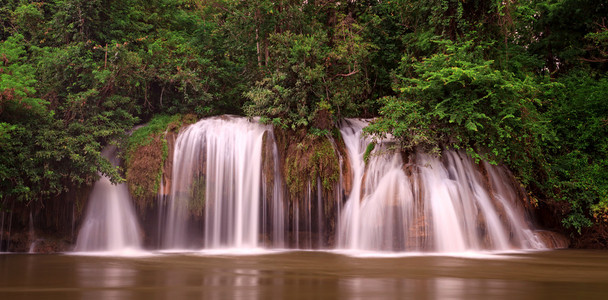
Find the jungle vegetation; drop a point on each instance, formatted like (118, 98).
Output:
(520, 83)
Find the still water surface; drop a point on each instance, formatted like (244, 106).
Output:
(564, 274)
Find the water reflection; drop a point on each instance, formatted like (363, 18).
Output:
(438, 288)
(373, 288)
(229, 284)
(304, 275)
(116, 282)
(106, 281)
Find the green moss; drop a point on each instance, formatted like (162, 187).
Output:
(144, 168)
(368, 152)
(292, 178)
(145, 155)
(198, 197)
(325, 164)
(145, 135)
(312, 159)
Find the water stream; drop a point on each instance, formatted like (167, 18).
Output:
(227, 191)
(216, 172)
(428, 203)
(110, 223)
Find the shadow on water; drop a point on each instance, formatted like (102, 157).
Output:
(305, 275)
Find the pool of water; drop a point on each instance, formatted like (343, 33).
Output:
(562, 274)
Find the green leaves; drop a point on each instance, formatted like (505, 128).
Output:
(579, 160)
(456, 98)
(74, 75)
(17, 79)
(312, 78)
(52, 150)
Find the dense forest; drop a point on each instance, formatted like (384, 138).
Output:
(519, 83)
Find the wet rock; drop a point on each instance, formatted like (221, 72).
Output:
(552, 239)
(168, 165)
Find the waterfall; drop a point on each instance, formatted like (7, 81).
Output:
(226, 190)
(110, 223)
(273, 208)
(217, 174)
(350, 227)
(428, 203)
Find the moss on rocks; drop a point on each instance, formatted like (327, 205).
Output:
(310, 159)
(368, 152)
(144, 168)
(145, 155)
(308, 162)
(198, 190)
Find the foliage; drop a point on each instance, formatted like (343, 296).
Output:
(146, 153)
(559, 29)
(515, 82)
(311, 159)
(42, 155)
(145, 135)
(313, 78)
(459, 99)
(368, 151)
(77, 74)
(598, 44)
(483, 89)
(578, 162)
(196, 203)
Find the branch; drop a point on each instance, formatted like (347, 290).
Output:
(594, 59)
(348, 74)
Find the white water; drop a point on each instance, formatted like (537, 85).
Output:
(273, 208)
(219, 158)
(110, 223)
(227, 193)
(437, 206)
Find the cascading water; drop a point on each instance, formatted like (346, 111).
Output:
(227, 191)
(273, 208)
(427, 204)
(110, 223)
(217, 173)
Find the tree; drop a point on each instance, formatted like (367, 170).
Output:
(313, 78)
(457, 98)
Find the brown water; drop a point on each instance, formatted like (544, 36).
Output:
(564, 274)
